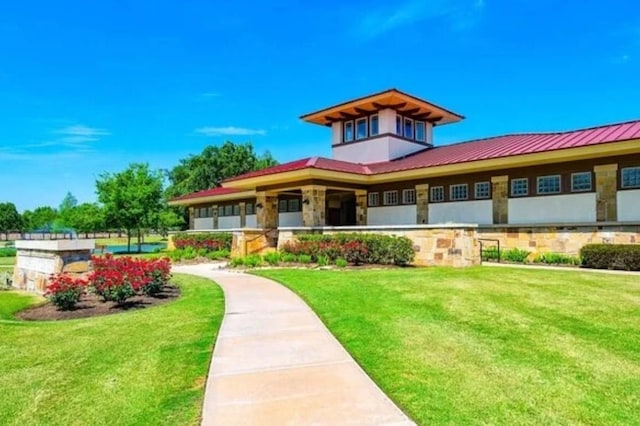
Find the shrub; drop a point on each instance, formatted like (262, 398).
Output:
(175, 255)
(272, 258)
(65, 291)
(305, 259)
(515, 255)
(355, 252)
(209, 241)
(288, 257)
(557, 259)
(159, 272)
(341, 263)
(253, 261)
(323, 260)
(611, 256)
(490, 254)
(236, 261)
(189, 253)
(218, 254)
(7, 252)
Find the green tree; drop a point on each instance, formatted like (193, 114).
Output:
(213, 165)
(66, 211)
(87, 217)
(10, 219)
(132, 199)
(42, 218)
(169, 219)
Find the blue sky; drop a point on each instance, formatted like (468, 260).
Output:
(88, 87)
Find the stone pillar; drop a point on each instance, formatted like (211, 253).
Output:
(192, 218)
(243, 215)
(267, 210)
(214, 215)
(422, 204)
(500, 198)
(314, 205)
(361, 207)
(606, 192)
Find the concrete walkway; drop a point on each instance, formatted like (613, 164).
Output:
(275, 363)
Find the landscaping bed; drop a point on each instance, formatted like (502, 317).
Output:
(90, 305)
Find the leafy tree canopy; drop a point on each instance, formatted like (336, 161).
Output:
(10, 219)
(42, 218)
(213, 165)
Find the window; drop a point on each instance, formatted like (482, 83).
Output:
(398, 125)
(581, 182)
(282, 206)
(519, 187)
(374, 125)
(421, 134)
(408, 196)
(294, 205)
(459, 192)
(228, 210)
(549, 184)
(348, 131)
(408, 128)
(250, 208)
(482, 190)
(631, 177)
(361, 128)
(374, 199)
(437, 194)
(236, 210)
(390, 198)
(220, 211)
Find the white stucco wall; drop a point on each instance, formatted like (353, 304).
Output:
(290, 219)
(229, 222)
(336, 133)
(386, 121)
(573, 208)
(251, 221)
(375, 150)
(629, 205)
(203, 223)
(480, 212)
(391, 215)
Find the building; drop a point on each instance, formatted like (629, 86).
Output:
(387, 170)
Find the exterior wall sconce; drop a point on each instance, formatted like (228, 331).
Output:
(259, 206)
(305, 201)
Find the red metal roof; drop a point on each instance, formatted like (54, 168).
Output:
(208, 193)
(306, 163)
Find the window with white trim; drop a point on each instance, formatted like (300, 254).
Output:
(459, 192)
(220, 211)
(228, 210)
(548, 184)
(630, 177)
(390, 198)
(421, 133)
(581, 182)
(236, 210)
(282, 206)
(374, 199)
(348, 131)
(250, 209)
(519, 187)
(374, 125)
(294, 205)
(398, 125)
(361, 128)
(436, 194)
(482, 190)
(408, 128)
(408, 196)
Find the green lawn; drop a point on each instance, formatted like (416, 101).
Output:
(488, 345)
(6, 264)
(143, 367)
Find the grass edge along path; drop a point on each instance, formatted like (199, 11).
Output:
(489, 346)
(140, 367)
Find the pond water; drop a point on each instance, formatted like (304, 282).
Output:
(145, 248)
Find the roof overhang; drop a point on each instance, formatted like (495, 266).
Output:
(213, 198)
(401, 102)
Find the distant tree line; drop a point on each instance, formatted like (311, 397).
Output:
(135, 199)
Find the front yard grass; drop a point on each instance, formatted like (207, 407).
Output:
(140, 367)
(485, 345)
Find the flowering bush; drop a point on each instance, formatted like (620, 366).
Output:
(159, 271)
(355, 252)
(209, 241)
(65, 291)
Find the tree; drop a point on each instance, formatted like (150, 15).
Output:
(42, 218)
(213, 165)
(66, 211)
(10, 219)
(168, 219)
(132, 199)
(87, 217)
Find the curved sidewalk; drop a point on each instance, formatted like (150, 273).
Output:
(275, 363)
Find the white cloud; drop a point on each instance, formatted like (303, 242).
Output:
(457, 14)
(80, 130)
(229, 131)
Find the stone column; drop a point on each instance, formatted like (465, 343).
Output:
(500, 198)
(267, 210)
(422, 204)
(314, 205)
(243, 215)
(606, 192)
(214, 215)
(361, 207)
(192, 217)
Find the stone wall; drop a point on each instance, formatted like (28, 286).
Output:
(34, 267)
(558, 238)
(455, 246)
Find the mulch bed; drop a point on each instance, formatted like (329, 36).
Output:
(91, 305)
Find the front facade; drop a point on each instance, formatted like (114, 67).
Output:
(387, 170)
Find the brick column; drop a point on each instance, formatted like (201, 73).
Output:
(500, 198)
(361, 207)
(422, 204)
(192, 217)
(314, 205)
(214, 215)
(243, 215)
(267, 213)
(606, 192)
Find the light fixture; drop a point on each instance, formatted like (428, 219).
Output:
(259, 205)
(305, 201)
